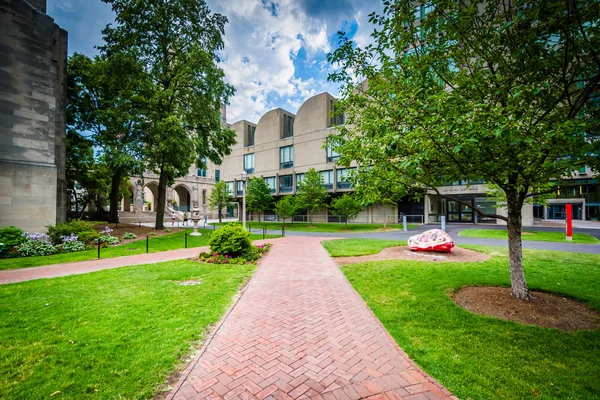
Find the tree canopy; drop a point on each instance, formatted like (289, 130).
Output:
(258, 195)
(286, 207)
(500, 92)
(346, 207)
(311, 193)
(177, 43)
(219, 198)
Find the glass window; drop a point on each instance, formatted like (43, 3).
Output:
(332, 155)
(286, 157)
(427, 9)
(271, 183)
(285, 184)
(299, 178)
(327, 178)
(335, 117)
(229, 187)
(217, 175)
(240, 188)
(288, 126)
(249, 163)
(342, 178)
(417, 13)
(201, 171)
(249, 139)
(203, 196)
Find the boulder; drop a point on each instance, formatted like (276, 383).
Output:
(431, 240)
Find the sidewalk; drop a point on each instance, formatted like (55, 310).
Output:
(82, 267)
(301, 331)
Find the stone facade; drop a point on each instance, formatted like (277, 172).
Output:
(33, 55)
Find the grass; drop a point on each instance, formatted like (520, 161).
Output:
(530, 235)
(358, 247)
(171, 241)
(325, 227)
(115, 333)
(479, 357)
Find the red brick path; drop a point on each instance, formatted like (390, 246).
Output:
(301, 331)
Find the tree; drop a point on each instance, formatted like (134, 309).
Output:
(102, 102)
(311, 193)
(219, 198)
(286, 207)
(258, 195)
(177, 42)
(498, 92)
(346, 207)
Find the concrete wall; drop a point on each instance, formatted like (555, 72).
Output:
(32, 116)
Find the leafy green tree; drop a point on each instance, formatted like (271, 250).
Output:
(311, 193)
(177, 42)
(346, 207)
(258, 195)
(219, 198)
(103, 102)
(286, 207)
(477, 91)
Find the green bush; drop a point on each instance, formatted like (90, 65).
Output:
(108, 239)
(129, 235)
(11, 237)
(72, 246)
(33, 248)
(75, 227)
(231, 240)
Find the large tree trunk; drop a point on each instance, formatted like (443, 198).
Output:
(515, 248)
(161, 200)
(114, 197)
(220, 216)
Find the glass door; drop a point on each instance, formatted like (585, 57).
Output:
(458, 212)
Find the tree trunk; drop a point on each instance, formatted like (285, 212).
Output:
(515, 248)
(114, 197)
(220, 216)
(161, 200)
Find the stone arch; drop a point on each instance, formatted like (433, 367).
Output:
(183, 196)
(150, 194)
(128, 200)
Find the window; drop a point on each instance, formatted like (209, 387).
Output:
(203, 196)
(342, 178)
(328, 179)
(285, 184)
(249, 163)
(249, 139)
(229, 187)
(332, 155)
(299, 178)
(217, 175)
(288, 126)
(240, 188)
(202, 172)
(335, 117)
(271, 183)
(286, 157)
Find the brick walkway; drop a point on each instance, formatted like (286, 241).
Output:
(301, 331)
(82, 267)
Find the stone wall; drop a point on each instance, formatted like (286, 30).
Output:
(32, 116)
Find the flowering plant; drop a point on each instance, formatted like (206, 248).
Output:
(36, 244)
(36, 236)
(106, 231)
(69, 238)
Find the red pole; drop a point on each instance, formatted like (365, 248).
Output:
(569, 211)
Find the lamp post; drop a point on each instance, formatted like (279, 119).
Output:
(244, 176)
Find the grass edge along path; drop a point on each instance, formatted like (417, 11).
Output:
(358, 247)
(108, 333)
(484, 357)
(172, 241)
(325, 227)
(539, 236)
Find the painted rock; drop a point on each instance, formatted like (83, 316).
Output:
(431, 240)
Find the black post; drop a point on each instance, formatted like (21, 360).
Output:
(139, 224)
(147, 239)
(186, 240)
(98, 248)
(283, 231)
(264, 229)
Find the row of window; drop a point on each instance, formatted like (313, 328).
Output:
(286, 158)
(286, 181)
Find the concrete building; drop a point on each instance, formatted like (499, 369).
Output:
(33, 55)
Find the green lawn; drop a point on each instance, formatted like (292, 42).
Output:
(480, 357)
(529, 235)
(114, 334)
(358, 247)
(171, 241)
(325, 227)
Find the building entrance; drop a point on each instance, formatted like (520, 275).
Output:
(458, 212)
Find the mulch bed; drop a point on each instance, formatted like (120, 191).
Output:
(546, 310)
(140, 231)
(404, 253)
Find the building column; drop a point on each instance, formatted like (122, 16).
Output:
(138, 203)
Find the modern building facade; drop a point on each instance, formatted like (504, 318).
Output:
(33, 55)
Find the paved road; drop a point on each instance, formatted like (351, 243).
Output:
(300, 331)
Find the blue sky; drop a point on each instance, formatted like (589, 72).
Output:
(274, 50)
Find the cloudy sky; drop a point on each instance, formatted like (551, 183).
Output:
(274, 51)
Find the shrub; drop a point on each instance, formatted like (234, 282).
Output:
(11, 237)
(129, 235)
(74, 227)
(231, 240)
(36, 244)
(152, 233)
(108, 239)
(71, 246)
(167, 230)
